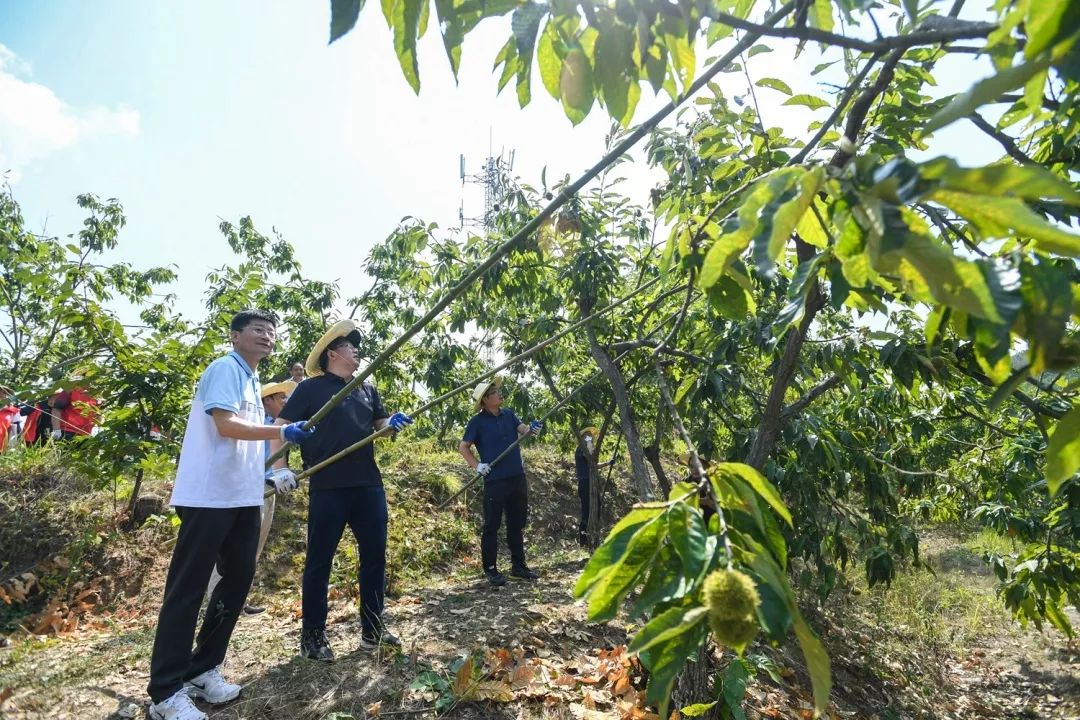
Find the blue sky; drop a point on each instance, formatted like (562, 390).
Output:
(196, 111)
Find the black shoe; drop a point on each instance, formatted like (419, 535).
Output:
(496, 578)
(523, 572)
(253, 609)
(314, 645)
(372, 640)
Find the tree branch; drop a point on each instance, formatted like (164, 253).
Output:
(941, 30)
(811, 395)
(840, 106)
(1004, 140)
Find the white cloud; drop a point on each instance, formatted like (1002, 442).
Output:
(34, 122)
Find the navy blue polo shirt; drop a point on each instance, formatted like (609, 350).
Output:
(581, 464)
(351, 420)
(491, 434)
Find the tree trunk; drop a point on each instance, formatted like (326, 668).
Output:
(546, 373)
(652, 454)
(772, 418)
(135, 493)
(694, 684)
(596, 490)
(640, 471)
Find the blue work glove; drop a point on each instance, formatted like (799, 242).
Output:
(296, 433)
(535, 426)
(398, 421)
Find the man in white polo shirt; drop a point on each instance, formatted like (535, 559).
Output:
(218, 496)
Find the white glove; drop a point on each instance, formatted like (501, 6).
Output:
(57, 434)
(483, 468)
(283, 480)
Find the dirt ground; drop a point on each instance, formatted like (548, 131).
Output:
(526, 651)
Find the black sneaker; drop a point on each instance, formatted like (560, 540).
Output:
(315, 646)
(372, 640)
(253, 609)
(523, 572)
(496, 578)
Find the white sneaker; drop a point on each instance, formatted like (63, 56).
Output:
(178, 707)
(212, 687)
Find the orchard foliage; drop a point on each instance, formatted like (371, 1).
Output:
(880, 338)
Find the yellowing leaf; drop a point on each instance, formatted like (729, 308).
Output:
(576, 85)
(1063, 451)
(1001, 217)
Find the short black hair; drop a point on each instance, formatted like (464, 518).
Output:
(245, 317)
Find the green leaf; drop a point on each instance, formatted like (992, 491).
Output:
(759, 49)
(343, 16)
(1000, 217)
(809, 101)
(686, 528)
(1063, 451)
(821, 15)
(730, 299)
(664, 662)
(757, 481)
(810, 229)
(576, 86)
(788, 215)
(1048, 22)
(614, 60)
(697, 709)
(615, 545)
(666, 626)
(525, 24)
(666, 580)
(775, 84)
(817, 660)
(1047, 305)
(549, 61)
(682, 57)
(1029, 182)
(733, 682)
(611, 586)
(735, 239)
(911, 7)
(985, 91)
(798, 290)
(406, 22)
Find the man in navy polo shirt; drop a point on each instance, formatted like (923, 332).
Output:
(492, 430)
(346, 492)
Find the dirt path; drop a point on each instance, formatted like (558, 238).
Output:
(526, 651)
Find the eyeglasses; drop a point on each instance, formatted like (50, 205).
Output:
(262, 331)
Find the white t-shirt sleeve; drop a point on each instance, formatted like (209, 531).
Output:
(222, 388)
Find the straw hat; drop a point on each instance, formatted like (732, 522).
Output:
(285, 386)
(340, 329)
(481, 390)
(589, 431)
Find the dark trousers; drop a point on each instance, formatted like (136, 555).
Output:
(583, 496)
(512, 496)
(207, 536)
(363, 509)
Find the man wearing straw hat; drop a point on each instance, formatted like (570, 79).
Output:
(218, 496)
(347, 492)
(492, 430)
(582, 456)
(274, 396)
